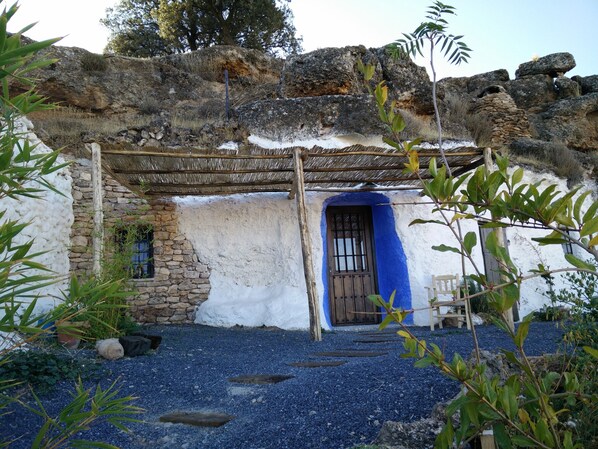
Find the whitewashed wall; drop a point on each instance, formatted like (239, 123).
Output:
(251, 243)
(50, 218)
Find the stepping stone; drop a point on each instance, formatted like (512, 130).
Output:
(318, 363)
(377, 340)
(197, 418)
(379, 334)
(350, 353)
(260, 379)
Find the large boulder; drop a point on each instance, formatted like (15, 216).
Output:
(409, 83)
(329, 71)
(312, 117)
(573, 121)
(589, 84)
(566, 87)
(477, 83)
(533, 92)
(552, 65)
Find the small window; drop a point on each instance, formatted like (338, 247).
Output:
(138, 244)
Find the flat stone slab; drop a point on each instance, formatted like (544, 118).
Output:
(260, 379)
(377, 340)
(356, 353)
(318, 363)
(198, 419)
(379, 334)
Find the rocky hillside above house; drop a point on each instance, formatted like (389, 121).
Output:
(542, 116)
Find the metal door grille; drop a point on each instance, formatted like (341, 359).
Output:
(351, 265)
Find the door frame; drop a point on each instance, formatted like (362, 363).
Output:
(369, 252)
(391, 262)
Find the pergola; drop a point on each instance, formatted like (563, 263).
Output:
(159, 172)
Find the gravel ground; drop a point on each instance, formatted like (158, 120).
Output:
(329, 408)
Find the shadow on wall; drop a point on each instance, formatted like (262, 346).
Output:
(391, 263)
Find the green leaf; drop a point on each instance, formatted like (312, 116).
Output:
(385, 322)
(523, 441)
(578, 263)
(444, 248)
(589, 227)
(578, 204)
(501, 436)
(423, 363)
(592, 351)
(517, 176)
(469, 241)
(422, 221)
(522, 331)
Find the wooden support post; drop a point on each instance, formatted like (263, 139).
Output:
(293, 191)
(500, 237)
(308, 267)
(98, 211)
(487, 439)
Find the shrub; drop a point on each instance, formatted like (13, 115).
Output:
(553, 155)
(92, 62)
(43, 370)
(149, 106)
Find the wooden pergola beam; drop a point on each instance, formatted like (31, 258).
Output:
(315, 328)
(207, 171)
(194, 155)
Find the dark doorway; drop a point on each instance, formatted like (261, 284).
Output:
(351, 267)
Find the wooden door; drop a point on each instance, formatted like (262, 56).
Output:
(351, 268)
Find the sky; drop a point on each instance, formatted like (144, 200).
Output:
(502, 34)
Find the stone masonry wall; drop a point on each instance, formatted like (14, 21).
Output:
(180, 281)
(507, 120)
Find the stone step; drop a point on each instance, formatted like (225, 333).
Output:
(260, 379)
(350, 353)
(199, 419)
(377, 340)
(318, 363)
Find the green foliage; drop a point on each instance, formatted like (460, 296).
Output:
(479, 301)
(551, 313)
(100, 304)
(156, 27)
(22, 174)
(580, 299)
(86, 407)
(134, 30)
(433, 32)
(530, 408)
(41, 370)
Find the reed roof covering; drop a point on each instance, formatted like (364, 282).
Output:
(189, 171)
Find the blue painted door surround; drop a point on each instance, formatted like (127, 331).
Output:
(391, 262)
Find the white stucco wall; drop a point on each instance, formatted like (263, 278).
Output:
(252, 246)
(50, 218)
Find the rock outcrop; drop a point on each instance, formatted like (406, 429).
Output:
(313, 95)
(330, 71)
(552, 65)
(572, 121)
